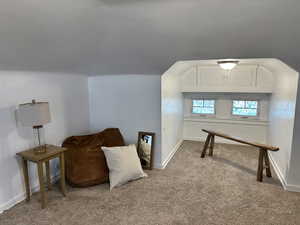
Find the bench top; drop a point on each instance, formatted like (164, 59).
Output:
(258, 145)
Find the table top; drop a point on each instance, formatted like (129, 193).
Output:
(51, 151)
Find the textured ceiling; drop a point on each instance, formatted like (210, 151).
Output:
(143, 36)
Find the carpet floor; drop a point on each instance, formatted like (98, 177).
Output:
(221, 190)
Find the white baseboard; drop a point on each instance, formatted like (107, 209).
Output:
(293, 188)
(285, 185)
(278, 171)
(22, 196)
(170, 156)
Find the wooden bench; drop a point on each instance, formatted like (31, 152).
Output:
(263, 151)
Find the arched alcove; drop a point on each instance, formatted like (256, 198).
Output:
(271, 81)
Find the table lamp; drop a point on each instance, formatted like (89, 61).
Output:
(35, 115)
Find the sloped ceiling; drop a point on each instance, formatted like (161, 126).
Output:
(143, 36)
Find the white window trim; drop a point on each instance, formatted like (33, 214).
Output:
(204, 114)
(246, 117)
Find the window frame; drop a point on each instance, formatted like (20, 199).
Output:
(205, 114)
(244, 116)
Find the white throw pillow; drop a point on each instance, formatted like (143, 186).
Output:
(124, 165)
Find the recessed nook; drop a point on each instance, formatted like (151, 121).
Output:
(256, 100)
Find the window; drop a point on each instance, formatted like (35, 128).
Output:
(204, 107)
(244, 108)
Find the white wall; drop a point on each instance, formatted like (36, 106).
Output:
(282, 114)
(293, 178)
(171, 112)
(249, 129)
(129, 102)
(68, 98)
(252, 131)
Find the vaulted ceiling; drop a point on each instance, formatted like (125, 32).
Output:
(143, 36)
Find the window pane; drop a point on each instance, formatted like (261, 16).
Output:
(201, 106)
(238, 104)
(201, 110)
(197, 102)
(251, 104)
(208, 110)
(196, 110)
(209, 103)
(244, 112)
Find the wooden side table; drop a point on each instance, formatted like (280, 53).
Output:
(51, 153)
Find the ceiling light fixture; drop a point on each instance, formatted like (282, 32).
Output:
(228, 64)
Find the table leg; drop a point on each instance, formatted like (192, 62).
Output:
(205, 145)
(48, 175)
(42, 185)
(62, 174)
(260, 165)
(26, 178)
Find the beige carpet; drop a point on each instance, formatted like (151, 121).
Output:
(219, 190)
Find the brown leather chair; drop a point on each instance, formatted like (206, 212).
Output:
(85, 160)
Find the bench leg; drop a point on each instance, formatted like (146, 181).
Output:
(205, 146)
(211, 146)
(260, 165)
(267, 164)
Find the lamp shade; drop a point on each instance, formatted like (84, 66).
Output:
(34, 114)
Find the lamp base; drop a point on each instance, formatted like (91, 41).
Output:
(40, 149)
